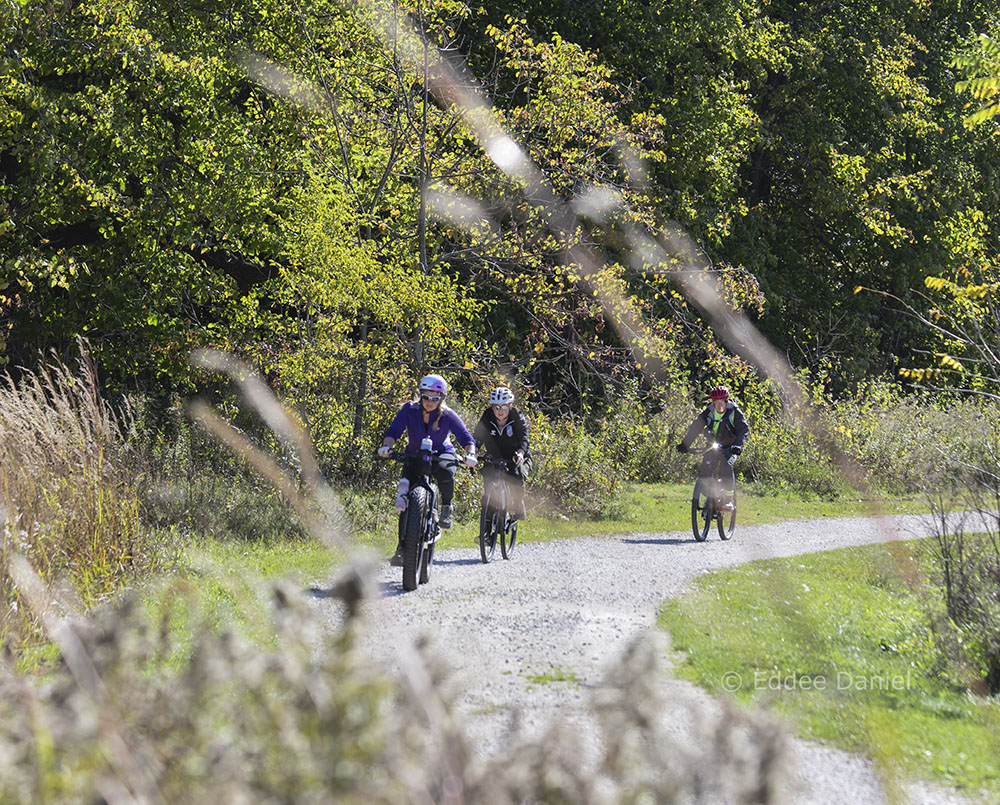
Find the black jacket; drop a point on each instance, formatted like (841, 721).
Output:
(505, 441)
(733, 430)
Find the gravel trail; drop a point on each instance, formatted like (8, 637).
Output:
(571, 607)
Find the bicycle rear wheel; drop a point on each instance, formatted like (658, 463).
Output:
(727, 521)
(702, 511)
(413, 545)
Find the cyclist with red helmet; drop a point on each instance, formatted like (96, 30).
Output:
(429, 418)
(502, 431)
(721, 423)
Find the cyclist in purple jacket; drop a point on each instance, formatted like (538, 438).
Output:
(429, 417)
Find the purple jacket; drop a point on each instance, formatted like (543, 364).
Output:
(410, 419)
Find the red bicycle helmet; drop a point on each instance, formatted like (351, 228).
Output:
(719, 393)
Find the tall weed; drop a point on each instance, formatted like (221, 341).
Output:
(68, 488)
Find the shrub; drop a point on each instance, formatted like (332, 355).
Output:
(966, 554)
(641, 442)
(191, 486)
(900, 440)
(572, 472)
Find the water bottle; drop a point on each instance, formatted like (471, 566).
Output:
(427, 444)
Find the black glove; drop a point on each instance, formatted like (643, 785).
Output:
(735, 450)
(731, 460)
(681, 448)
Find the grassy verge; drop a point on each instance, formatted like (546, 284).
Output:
(840, 643)
(655, 507)
(223, 584)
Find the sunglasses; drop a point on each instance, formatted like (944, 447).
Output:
(501, 407)
(431, 397)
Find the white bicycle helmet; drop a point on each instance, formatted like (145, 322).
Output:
(434, 384)
(501, 396)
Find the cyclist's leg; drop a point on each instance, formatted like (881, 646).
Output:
(515, 489)
(727, 480)
(444, 474)
(406, 478)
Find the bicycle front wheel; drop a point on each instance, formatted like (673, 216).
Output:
(727, 521)
(508, 539)
(702, 511)
(413, 545)
(488, 531)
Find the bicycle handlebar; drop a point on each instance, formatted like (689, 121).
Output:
(396, 455)
(496, 461)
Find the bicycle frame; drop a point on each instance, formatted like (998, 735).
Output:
(708, 469)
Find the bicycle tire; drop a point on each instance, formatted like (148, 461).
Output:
(487, 531)
(726, 529)
(702, 510)
(507, 545)
(413, 544)
(425, 567)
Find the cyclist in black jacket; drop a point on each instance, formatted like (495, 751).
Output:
(721, 423)
(502, 431)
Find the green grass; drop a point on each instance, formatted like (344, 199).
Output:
(554, 674)
(840, 643)
(223, 585)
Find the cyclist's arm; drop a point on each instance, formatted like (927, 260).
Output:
(521, 432)
(462, 435)
(742, 430)
(695, 428)
(481, 431)
(397, 426)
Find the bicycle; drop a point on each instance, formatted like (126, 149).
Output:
(494, 523)
(419, 530)
(706, 499)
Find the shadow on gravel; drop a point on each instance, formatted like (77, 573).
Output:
(389, 589)
(475, 561)
(660, 541)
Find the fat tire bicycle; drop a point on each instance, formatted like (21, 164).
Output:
(495, 524)
(419, 529)
(707, 505)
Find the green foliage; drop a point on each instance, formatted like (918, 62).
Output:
(981, 63)
(142, 178)
(572, 472)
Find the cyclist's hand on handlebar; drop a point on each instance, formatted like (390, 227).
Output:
(518, 458)
(471, 460)
(384, 451)
(682, 448)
